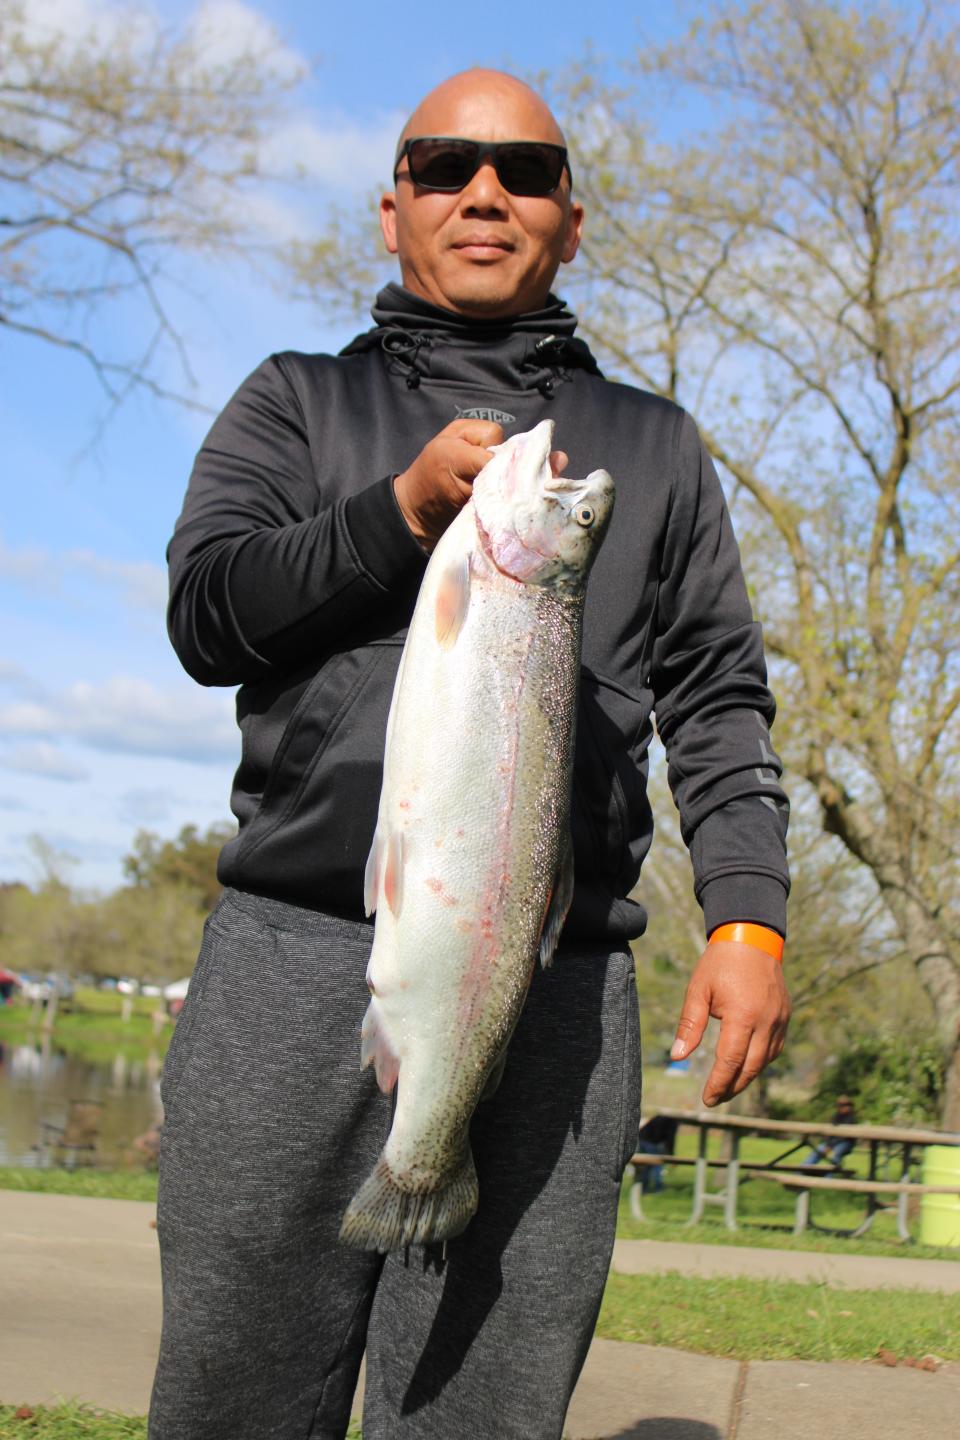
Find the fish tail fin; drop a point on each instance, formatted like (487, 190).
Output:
(382, 1216)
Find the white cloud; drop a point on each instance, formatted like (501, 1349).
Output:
(336, 151)
(127, 715)
(43, 758)
(144, 806)
(101, 22)
(143, 585)
(224, 32)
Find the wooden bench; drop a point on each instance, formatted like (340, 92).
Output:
(747, 1169)
(804, 1184)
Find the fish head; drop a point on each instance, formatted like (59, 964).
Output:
(537, 527)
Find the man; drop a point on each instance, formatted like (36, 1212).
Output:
(294, 570)
(836, 1150)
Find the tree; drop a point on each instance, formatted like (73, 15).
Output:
(793, 278)
(118, 148)
(188, 863)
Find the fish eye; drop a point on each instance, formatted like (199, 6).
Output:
(584, 515)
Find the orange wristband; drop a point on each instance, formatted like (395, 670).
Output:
(759, 936)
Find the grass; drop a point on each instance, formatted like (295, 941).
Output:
(80, 1422)
(69, 1422)
(778, 1320)
(91, 1027)
(101, 1184)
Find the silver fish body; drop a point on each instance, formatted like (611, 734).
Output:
(470, 872)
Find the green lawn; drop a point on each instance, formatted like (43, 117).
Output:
(778, 1320)
(101, 1184)
(91, 1026)
(80, 1422)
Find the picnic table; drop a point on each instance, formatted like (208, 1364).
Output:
(890, 1148)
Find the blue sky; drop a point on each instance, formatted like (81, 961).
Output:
(100, 731)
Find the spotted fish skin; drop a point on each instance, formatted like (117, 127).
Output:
(470, 871)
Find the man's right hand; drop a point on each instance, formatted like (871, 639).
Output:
(440, 481)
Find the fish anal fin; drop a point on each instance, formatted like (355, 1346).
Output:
(560, 899)
(452, 601)
(377, 1049)
(393, 871)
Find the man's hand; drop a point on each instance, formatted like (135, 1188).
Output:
(439, 482)
(745, 989)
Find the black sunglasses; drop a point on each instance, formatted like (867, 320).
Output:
(444, 162)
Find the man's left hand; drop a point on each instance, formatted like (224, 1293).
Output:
(745, 989)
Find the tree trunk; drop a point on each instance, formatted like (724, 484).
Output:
(950, 1113)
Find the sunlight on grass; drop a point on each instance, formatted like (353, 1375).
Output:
(778, 1320)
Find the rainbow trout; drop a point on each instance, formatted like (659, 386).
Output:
(471, 872)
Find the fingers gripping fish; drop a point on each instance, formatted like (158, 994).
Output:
(471, 872)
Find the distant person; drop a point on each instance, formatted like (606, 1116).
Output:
(658, 1136)
(845, 1114)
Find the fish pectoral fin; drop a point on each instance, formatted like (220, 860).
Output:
(452, 602)
(377, 1049)
(560, 900)
(393, 871)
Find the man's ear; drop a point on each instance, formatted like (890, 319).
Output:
(571, 240)
(388, 221)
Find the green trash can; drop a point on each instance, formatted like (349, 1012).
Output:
(940, 1214)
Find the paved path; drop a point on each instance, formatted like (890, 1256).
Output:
(80, 1307)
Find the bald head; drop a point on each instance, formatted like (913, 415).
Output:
(482, 250)
(480, 93)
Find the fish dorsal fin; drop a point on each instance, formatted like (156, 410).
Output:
(560, 899)
(452, 601)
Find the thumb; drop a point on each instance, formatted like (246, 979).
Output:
(693, 1021)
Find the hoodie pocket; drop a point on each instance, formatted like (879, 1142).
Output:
(314, 727)
(610, 806)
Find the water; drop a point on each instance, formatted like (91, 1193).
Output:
(38, 1082)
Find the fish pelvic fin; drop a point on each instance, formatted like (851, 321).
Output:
(385, 862)
(560, 899)
(383, 1216)
(452, 602)
(377, 1048)
(371, 877)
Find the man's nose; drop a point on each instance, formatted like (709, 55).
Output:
(484, 191)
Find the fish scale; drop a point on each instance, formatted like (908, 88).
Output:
(470, 870)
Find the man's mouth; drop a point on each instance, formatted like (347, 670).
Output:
(482, 245)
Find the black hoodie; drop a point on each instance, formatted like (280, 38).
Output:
(293, 574)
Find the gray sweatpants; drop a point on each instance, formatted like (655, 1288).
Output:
(270, 1127)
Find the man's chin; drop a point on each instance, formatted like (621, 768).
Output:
(486, 301)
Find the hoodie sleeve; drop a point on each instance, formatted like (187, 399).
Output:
(713, 706)
(262, 570)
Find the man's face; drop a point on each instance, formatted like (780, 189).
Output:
(481, 251)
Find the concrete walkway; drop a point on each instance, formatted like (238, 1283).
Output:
(80, 1301)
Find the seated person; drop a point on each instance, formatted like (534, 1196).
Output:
(836, 1150)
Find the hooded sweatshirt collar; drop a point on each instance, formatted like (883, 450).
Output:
(424, 343)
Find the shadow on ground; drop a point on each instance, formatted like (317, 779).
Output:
(664, 1427)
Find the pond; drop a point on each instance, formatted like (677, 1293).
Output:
(39, 1082)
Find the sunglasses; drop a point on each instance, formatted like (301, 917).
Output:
(524, 167)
